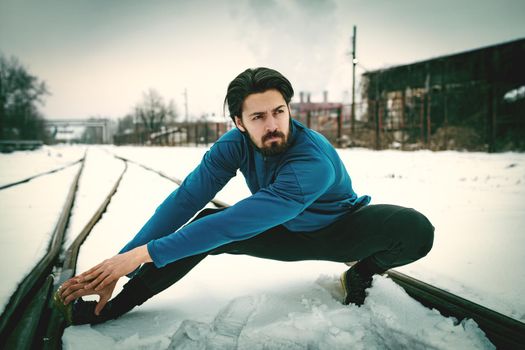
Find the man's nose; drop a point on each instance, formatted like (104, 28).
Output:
(271, 124)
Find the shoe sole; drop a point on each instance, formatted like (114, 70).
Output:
(342, 279)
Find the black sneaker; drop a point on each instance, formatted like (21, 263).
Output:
(354, 286)
(84, 312)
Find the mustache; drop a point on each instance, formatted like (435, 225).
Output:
(272, 134)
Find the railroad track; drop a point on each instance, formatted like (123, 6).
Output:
(32, 322)
(216, 202)
(29, 320)
(41, 174)
(20, 318)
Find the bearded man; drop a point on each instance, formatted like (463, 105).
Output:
(302, 207)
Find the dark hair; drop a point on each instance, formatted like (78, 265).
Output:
(255, 80)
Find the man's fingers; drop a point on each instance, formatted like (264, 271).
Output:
(101, 303)
(89, 274)
(94, 284)
(77, 294)
(69, 282)
(89, 277)
(94, 274)
(67, 291)
(110, 278)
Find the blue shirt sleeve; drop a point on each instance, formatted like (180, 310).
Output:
(298, 184)
(217, 167)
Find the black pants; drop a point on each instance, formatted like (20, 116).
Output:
(387, 235)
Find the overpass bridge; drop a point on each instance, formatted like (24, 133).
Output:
(104, 125)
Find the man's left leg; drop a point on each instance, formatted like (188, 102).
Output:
(384, 236)
(379, 237)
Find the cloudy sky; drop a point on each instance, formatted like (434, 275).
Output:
(99, 56)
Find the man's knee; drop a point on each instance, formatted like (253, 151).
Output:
(421, 231)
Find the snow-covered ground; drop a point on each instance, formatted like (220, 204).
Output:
(475, 201)
(20, 165)
(28, 215)
(98, 177)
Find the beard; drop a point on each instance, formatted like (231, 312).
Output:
(276, 147)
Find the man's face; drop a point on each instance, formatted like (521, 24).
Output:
(266, 120)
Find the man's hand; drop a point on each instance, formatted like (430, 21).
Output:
(102, 278)
(72, 289)
(110, 270)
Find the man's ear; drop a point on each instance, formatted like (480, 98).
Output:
(238, 123)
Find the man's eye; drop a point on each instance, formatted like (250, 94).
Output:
(280, 111)
(255, 117)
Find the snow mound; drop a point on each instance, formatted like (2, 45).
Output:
(389, 319)
(304, 316)
(224, 331)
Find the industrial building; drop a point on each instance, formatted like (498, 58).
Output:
(472, 100)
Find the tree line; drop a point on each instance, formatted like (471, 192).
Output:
(21, 94)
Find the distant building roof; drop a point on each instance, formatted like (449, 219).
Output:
(513, 43)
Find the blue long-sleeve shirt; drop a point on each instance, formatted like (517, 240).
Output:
(304, 188)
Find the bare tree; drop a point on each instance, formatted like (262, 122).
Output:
(153, 111)
(20, 92)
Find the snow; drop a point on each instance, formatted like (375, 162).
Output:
(98, 177)
(20, 165)
(474, 200)
(303, 316)
(515, 94)
(28, 216)
(180, 161)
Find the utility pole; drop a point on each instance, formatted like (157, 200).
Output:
(186, 105)
(354, 63)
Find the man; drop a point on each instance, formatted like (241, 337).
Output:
(302, 207)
